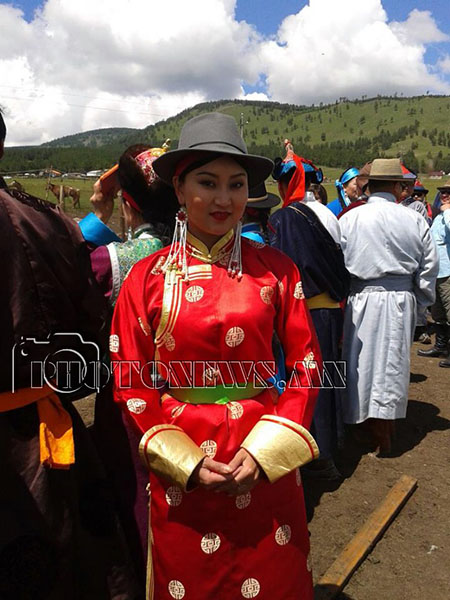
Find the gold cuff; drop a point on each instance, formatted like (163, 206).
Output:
(170, 453)
(280, 445)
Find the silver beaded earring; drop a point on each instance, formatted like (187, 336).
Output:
(177, 257)
(235, 262)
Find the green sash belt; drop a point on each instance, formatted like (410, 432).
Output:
(215, 395)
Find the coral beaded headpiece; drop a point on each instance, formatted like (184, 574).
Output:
(146, 159)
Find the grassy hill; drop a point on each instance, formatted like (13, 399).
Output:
(91, 139)
(336, 135)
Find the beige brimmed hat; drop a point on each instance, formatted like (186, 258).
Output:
(445, 186)
(386, 169)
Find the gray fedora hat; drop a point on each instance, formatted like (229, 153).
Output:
(218, 134)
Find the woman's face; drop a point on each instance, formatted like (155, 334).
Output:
(215, 196)
(351, 189)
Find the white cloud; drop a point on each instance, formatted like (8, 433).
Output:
(443, 64)
(419, 28)
(139, 61)
(347, 48)
(111, 63)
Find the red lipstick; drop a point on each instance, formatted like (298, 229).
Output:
(220, 216)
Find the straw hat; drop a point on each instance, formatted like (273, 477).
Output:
(386, 169)
(217, 134)
(445, 187)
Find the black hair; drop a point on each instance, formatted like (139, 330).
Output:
(260, 216)
(157, 200)
(310, 177)
(286, 177)
(318, 187)
(204, 160)
(2, 128)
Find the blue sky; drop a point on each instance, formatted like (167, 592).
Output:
(87, 64)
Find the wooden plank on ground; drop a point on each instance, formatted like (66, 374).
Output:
(334, 580)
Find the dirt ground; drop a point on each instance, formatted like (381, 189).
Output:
(412, 560)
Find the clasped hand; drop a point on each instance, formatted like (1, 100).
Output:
(238, 477)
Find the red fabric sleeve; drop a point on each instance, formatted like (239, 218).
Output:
(133, 354)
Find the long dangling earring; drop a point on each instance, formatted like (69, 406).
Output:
(177, 257)
(235, 262)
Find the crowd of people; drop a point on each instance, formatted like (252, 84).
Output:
(243, 344)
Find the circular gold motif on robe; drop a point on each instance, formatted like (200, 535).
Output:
(176, 412)
(210, 543)
(250, 588)
(283, 535)
(234, 337)
(169, 342)
(243, 500)
(309, 562)
(298, 477)
(209, 447)
(236, 410)
(174, 496)
(210, 376)
(114, 343)
(194, 293)
(136, 405)
(310, 360)
(298, 291)
(266, 294)
(281, 287)
(176, 589)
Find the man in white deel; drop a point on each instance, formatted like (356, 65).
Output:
(393, 262)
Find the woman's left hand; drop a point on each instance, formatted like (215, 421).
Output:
(246, 474)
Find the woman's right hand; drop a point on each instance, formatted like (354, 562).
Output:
(210, 473)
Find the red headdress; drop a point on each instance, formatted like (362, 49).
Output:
(296, 188)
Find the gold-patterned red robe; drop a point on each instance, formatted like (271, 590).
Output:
(215, 332)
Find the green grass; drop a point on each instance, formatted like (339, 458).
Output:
(36, 187)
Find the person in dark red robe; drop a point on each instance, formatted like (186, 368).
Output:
(59, 534)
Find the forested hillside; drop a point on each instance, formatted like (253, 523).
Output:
(335, 135)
